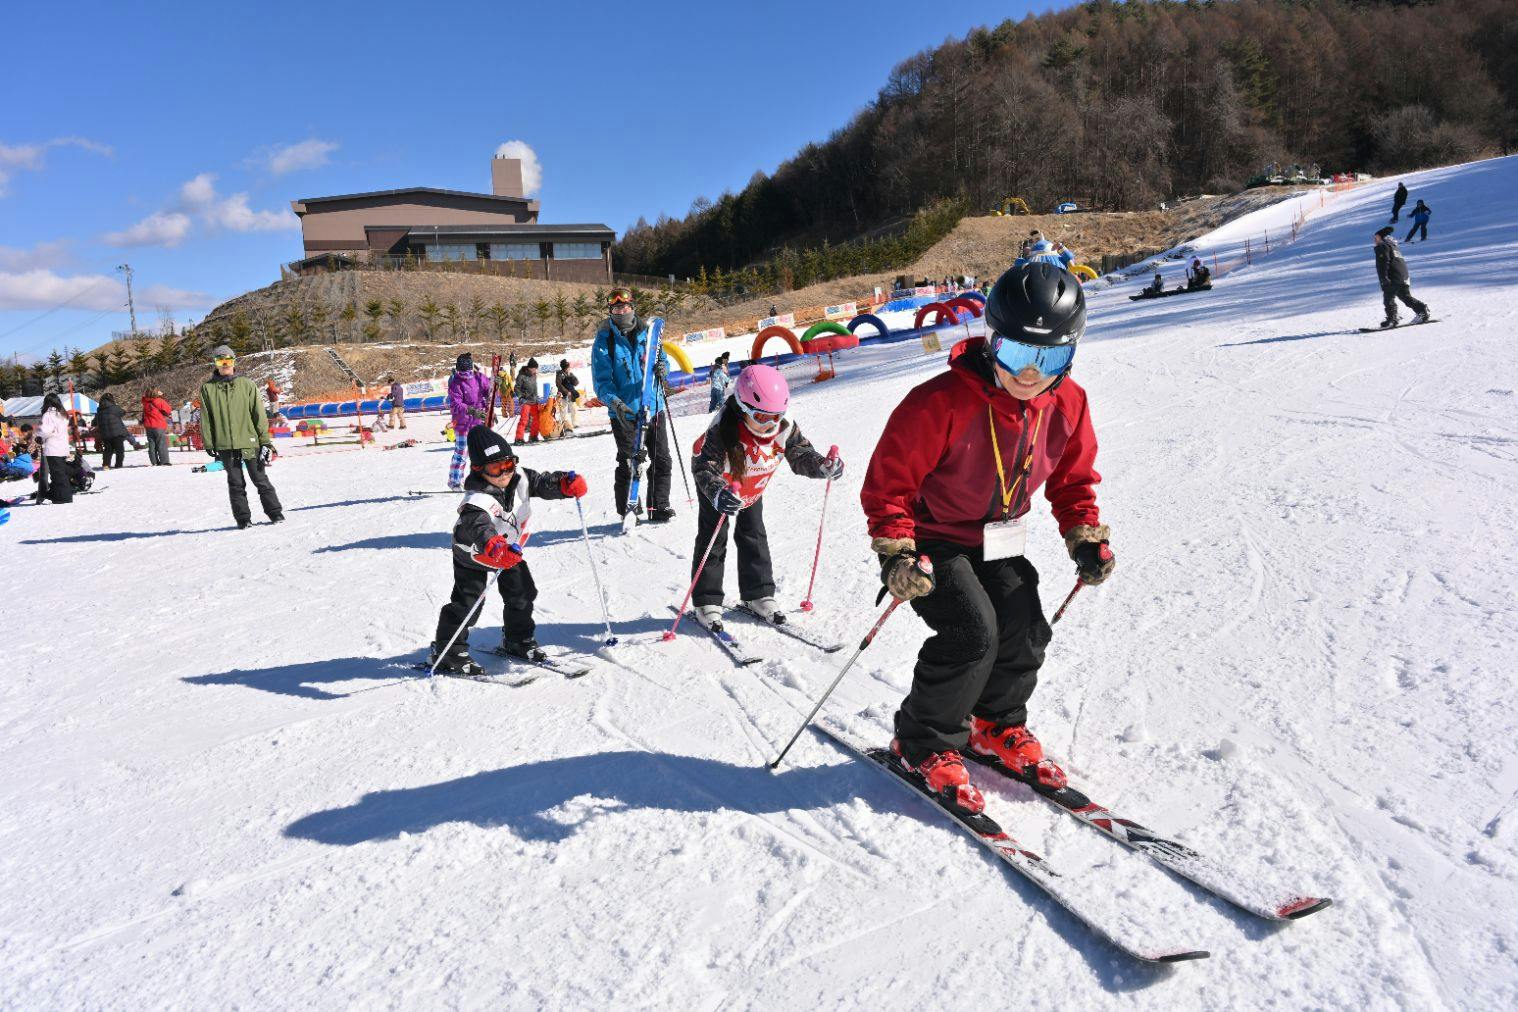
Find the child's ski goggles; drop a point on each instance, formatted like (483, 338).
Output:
(1015, 356)
(496, 468)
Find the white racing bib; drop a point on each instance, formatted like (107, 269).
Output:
(1005, 539)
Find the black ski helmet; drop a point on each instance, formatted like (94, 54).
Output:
(1037, 303)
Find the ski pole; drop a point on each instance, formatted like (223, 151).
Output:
(489, 582)
(721, 519)
(611, 640)
(1068, 599)
(817, 557)
(869, 638)
(674, 438)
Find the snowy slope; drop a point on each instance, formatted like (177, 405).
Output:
(225, 788)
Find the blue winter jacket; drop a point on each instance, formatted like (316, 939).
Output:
(1043, 253)
(1420, 214)
(616, 367)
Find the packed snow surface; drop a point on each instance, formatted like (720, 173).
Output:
(224, 785)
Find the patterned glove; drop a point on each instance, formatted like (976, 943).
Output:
(902, 574)
(1087, 545)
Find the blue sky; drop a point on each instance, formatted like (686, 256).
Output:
(173, 136)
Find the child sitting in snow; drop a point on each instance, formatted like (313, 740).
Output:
(489, 535)
(734, 461)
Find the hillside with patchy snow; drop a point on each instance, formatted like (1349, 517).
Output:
(226, 787)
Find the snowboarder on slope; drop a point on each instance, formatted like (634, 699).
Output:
(469, 393)
(1391, 271)
(953, 478)
(743, 445)
(1398, 199)
(490, 534)
(616, 369)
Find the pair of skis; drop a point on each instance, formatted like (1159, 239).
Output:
(568, 669)
(639, 463)
(740, 655)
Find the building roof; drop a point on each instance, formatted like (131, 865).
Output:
(302, 205)
(519, 228)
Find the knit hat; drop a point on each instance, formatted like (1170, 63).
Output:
(222, 351)
(532, 363)
(487, 445)
(1384, 231)
(564, 364)
(464, 363)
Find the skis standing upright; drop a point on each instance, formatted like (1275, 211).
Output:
(640, 466)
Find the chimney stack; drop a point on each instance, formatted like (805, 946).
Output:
(506, 177)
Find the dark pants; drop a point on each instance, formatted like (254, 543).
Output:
(55, 480)
(158, 446)
(988, 642)
(755, 577)
(655, 492)
(1400, 290)
(517, 591)
(1396, 213)
(111, 450)
(237, 487)
(1420, 229)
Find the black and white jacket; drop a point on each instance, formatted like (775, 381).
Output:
(487, 511)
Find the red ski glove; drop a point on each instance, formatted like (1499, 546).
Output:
(499, 554)
(573, 485)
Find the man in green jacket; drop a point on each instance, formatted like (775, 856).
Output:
(236, 432)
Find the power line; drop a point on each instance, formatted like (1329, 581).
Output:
(71, 299)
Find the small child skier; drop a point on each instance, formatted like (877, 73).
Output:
(732, 464)
(490, 533)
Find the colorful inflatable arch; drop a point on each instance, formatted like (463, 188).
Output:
(824, 327)
(872, 320)
(763, 337)
(1083, 272)
(968, 305)
(940, 313)
(677, 353)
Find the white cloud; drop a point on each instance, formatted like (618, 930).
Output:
(44, 289)
(532, 169)
(198, 192)
(234, 215)
(167, 228)
(308, 154)
(31, 157)
(42, 256)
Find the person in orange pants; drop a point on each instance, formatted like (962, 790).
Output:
(528, 395)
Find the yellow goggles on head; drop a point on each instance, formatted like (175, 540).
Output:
(224, 360)
(620, 296)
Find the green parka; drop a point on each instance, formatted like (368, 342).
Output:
(232, 417)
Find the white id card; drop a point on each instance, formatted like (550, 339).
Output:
(1005, 539)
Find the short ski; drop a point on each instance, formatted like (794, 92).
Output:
(726, 641)
(548, 664)
(1211, 875)
(787, 629)
(990, 835)
(1395, 326)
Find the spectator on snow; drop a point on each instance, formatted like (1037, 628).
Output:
(469, 391)
(1421, 213)
(155, 419)
(236, 432)
(397, 404)
(528, 396)
(722, 382)
(617, 360)
(1198, 275)
(111, 430)
(568, 386)
(1398, 200)
(54, 434)
(1045, 252)
(1391, 271)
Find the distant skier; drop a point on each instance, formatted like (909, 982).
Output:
(1156, 287)
(616, 366)
(744, 444)
(1398, 199)
(1421, 214)
(953, 478)
(469, 392)
(1391, 271)
(528, 396)
(490, 534)
(235, 431)
(568, 386)
(721, 382)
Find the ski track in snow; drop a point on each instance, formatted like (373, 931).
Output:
(226, 786)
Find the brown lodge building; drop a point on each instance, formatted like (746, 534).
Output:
(499, 229)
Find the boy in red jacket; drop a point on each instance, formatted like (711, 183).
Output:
(952, 479)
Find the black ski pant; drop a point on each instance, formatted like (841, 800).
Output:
(1400, 290)
(517, 591)
(1420, 229)
(237, 487)
(158, 446)
(655, 491)
(1397, 211)
(111, 450)
(756, 578)
(988, 642)
(55, 480)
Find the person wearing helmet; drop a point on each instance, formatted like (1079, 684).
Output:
(616, 370)
(952, 479)
(731, 465)
(1037, 249)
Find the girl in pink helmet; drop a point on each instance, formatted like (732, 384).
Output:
(732, 464)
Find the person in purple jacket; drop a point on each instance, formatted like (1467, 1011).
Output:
(468, 397)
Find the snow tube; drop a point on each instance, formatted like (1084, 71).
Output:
(677, 353)
(824, 327)
(968, 305)
(872, 320)
(763, 337)
(940, 312)
(1083, 272)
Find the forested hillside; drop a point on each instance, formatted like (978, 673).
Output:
(1124, 105)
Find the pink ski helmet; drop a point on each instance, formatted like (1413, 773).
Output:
(763, 396)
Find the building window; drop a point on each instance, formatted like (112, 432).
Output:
(450, 251)
(577, 251)
(514, 251)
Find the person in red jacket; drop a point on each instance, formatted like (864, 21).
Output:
(155, 419)
(952, 480)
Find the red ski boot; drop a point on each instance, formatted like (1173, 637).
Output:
(1017, 749)
(945, 775)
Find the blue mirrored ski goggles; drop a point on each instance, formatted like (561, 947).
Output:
(1015, 356)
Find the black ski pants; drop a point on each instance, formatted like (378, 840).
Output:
(518, 591)
(655, 492)
(111, 451)
(1400, 290)
(988, 642)
(1420, 229)
(237, 486)
(756, 578)
(55, 480)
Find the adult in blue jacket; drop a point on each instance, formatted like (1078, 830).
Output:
(616, 369)
(1045, 252)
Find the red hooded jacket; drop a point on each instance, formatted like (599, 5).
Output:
(933, 474)
(155, 413)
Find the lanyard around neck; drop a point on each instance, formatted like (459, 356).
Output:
(1026, 468)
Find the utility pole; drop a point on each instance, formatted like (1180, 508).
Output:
(131, 309)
